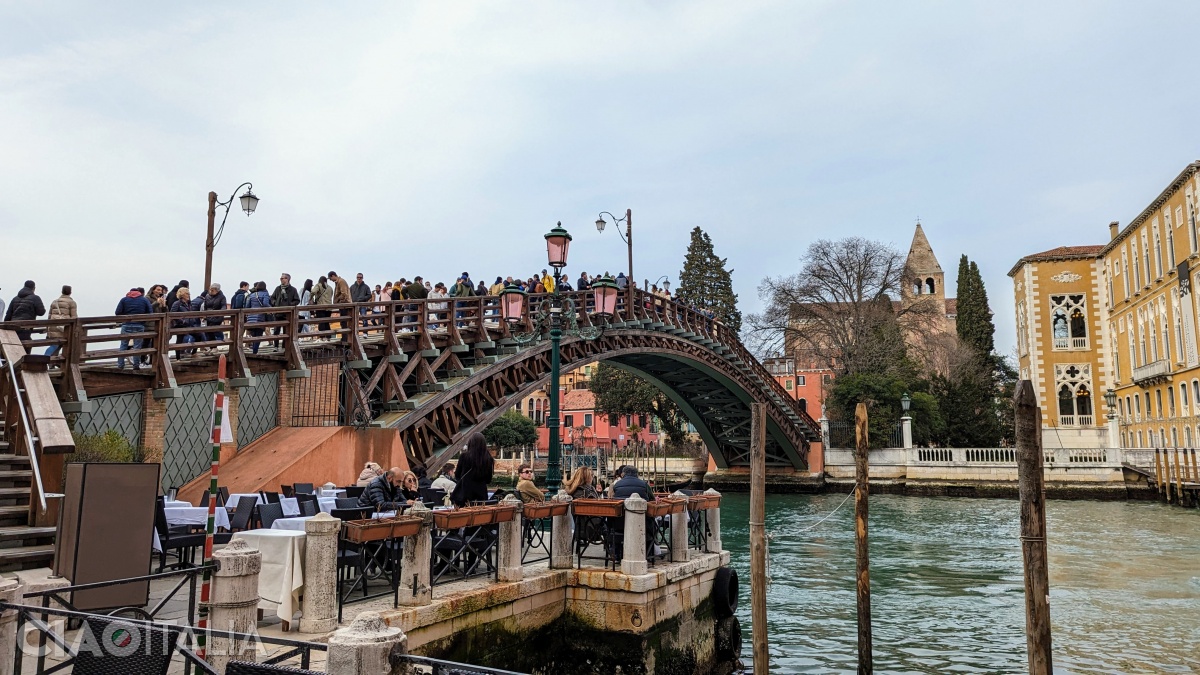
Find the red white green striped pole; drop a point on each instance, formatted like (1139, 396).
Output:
(218, 411)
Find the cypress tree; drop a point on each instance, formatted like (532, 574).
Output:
(705, 283)
(975, 326)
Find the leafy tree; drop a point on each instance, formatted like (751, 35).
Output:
(882, 393)
(705, 283)
(620, 392)
(511, 430)
(841, 306)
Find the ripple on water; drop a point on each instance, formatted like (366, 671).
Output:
(948, 589)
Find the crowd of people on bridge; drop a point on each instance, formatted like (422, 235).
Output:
(317, 299)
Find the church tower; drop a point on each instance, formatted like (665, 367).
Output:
(923, 266)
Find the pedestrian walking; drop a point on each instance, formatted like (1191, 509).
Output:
(239, 297)
(322, 296)
(26, 306)
(284, 295)
(341, 296)
(360, 294)
(305, 301)
(213, 300)
(62, 309)
(183, 307)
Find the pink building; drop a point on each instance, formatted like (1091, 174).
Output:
(581, 424)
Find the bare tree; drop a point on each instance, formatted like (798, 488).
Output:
(848, 306)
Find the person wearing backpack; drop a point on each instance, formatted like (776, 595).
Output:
(258, 299)
(239, 298)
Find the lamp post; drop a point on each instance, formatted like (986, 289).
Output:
(556, 316)
(627, 237)
(249, 203)
(1114, 430)
(906, 421)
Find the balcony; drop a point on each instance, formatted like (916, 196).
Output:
(1158, 371)
(1075, 420)
(1070, 344)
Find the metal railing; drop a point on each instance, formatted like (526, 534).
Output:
(27, 434)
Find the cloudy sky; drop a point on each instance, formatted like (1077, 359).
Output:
(432, 137)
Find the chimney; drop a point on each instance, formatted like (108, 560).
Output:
(1113, 228)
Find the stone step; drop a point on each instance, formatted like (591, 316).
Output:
(26, 556)
(22, 533)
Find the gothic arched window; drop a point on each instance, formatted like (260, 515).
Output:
(929, 285)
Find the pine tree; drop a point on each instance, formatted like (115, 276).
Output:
(970, 397)
(705, 283)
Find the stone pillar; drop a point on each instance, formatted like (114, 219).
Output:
(714, 526)
(233, 604)
(906, 431)
(679, 532)
(824, 421)
(508, 548)
(365, 647)
(633, 560)
(562, 536)
(415, 588)
(1114, 431)
(10, 591)
(320, 574)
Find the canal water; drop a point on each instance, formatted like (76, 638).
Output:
(947, 587)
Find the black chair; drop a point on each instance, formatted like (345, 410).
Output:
(287, 490)
(183, 544)
(269, 513)
(244, 668)
(303, 488)
(204, 498)
(354, 491)
(241, 520)
(432, 495)
(270, 497)
(356, 513)
(223, 493)
(346, 502)
(101, 654)
(308, 505)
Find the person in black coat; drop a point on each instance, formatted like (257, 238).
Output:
(630, 484)
(383, 493)
(27, 306)
(474, 472)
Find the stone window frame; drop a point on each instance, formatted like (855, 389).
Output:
(1076, 380)
(1069, 304)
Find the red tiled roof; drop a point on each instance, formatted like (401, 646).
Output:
(579, 399)
(1060, 253)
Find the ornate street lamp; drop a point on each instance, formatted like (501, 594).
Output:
(249, 203)
(905, 402)
(627, 237)
(554, 317)
(1110, 399)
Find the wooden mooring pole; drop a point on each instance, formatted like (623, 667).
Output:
(1033, 529)
(758, 536)
(1158, 472)
(861, 550)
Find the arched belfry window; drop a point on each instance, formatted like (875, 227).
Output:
(929, 286)
(1073, 384)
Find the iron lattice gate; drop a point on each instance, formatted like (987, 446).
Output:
(187, 445)
(121, 413)
(258, 409)
(316, 399)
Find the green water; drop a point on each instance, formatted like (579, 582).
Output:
(947, 589)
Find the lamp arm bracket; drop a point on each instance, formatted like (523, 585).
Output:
(227, 203)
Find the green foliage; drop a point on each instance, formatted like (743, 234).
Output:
(975, 327)
(109, 446)
(705, 283)
(620, 392)
(511, 430)
(882, 393)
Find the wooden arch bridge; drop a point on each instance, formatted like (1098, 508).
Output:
(434, 370)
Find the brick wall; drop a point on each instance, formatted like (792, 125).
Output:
(154, 425)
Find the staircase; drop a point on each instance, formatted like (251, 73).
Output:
(21, 546)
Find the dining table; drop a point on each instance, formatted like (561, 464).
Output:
(281, 578)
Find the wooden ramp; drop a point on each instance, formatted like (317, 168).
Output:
(317, 455)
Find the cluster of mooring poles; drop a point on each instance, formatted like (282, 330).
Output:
(1033, 533)
(1177, 476)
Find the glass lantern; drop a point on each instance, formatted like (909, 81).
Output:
(512, 304)
(557, 242)
(604, 297)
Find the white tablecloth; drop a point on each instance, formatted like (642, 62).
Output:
(331, 492)
(234, 499)
(290, 506)
(172, 504)
(294, 524)
(281, 580)
(327, 504)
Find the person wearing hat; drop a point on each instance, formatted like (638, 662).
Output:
(26, 306)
